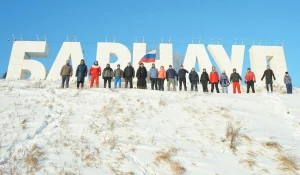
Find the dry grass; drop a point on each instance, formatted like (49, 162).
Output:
(232, 135)
(176, 168)
(273, 145)
(249, 163)
(162, 102)
(32, 159)
(23, 124)
(288, 164)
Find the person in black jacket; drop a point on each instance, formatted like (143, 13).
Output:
(204, 79)
(235, 80)
(141, 75)
(128, 75)
(81, 73)
(107, 75)
(194, 79)
(268, 74)
(182, 79)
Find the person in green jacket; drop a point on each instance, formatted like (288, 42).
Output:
(66, 72)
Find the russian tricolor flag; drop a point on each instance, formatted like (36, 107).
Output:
(149, 57)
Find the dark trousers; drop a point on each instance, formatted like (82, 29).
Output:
(204, 86)
(153, 83)
(250, 84)
(65, 79)
(289, 88)
(161, 84)
(80, 82)
(215, 85)
(194, 84)
(271, 86)
(182, 80)
(128, 79)
(109, 82)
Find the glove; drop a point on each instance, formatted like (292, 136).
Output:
(274, 79)
(167, 79)
(261, 79)
(209, 82)
(190, 81)
(254, 81)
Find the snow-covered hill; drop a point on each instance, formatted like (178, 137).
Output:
(47, 130)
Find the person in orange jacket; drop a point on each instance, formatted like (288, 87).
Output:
(95, 72)
(250, 80)
(161, 78)
(214, 79)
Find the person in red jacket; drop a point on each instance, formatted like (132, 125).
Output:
(95, 72)
(250, 80)
(214, 79)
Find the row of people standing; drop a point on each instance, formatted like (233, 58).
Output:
(157, 78)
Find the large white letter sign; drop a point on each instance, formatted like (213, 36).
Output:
(165, 55)
(259, 55)
(105, 50)
(224, 62)
(165, 52)
(139, 50)
(68, 51)
(197, 52)
(20, 64)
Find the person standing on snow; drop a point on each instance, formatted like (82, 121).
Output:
(214, 79)
(194, 79)
(153, 77)
(250, 80)
(81, 73)
(224, 82)
(118, 73)
(95, 72)
(268, 74)
(235, 79)
(128, 75)
(107, 75)
(204, 79)
(288, 83)
(141, 75)
(66, 72)
(161, 78)
(182, 79)
(170, 75)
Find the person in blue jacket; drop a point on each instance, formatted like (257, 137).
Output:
(224, 82)
(170, 76)
(153, 77)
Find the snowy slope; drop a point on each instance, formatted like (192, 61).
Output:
(47, 130)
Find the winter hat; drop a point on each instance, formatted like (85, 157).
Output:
(286, 73)
(234, 69)
(248, 69)
(170, 65)
(118, 65)
(107, 64)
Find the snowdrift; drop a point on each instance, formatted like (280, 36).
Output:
(48, 130)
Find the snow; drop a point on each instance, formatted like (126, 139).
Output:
(131, 131)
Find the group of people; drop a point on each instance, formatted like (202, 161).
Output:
(158, 77)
